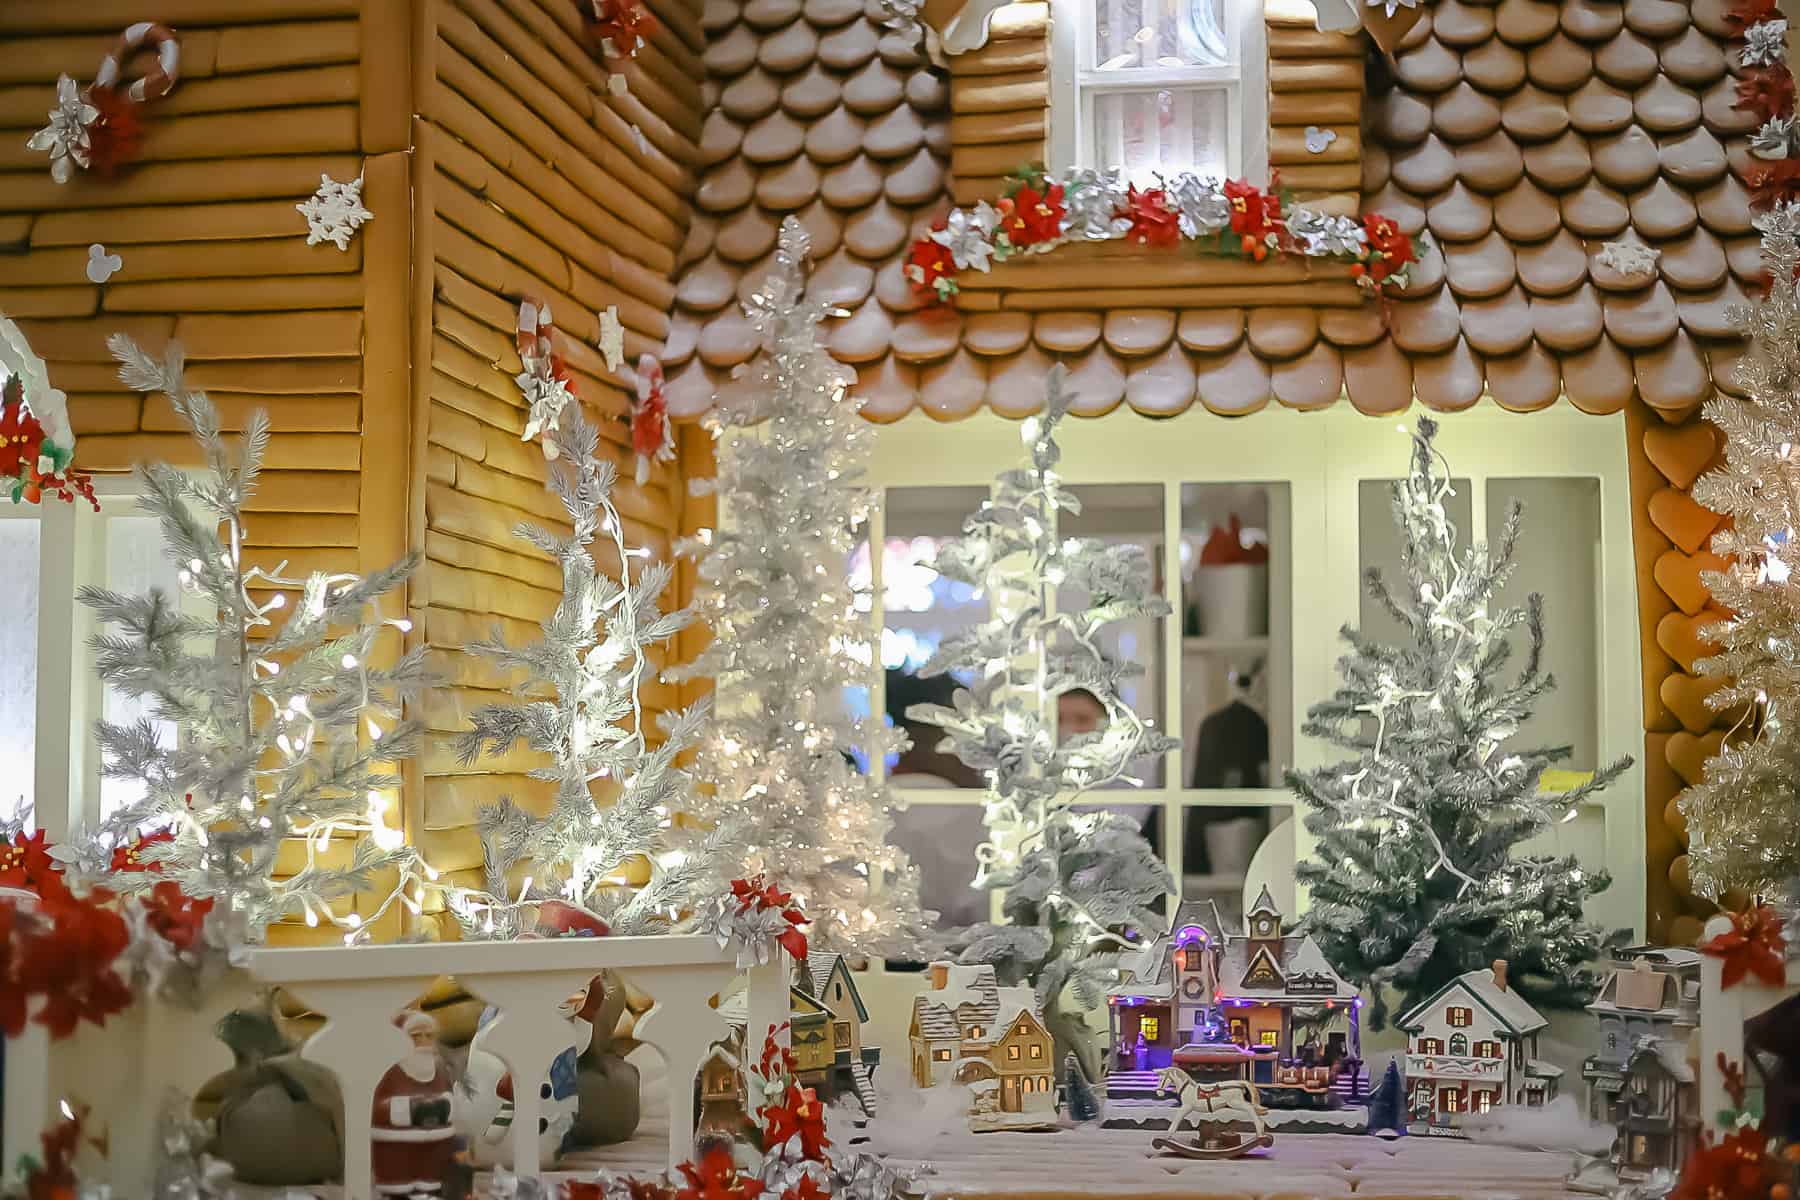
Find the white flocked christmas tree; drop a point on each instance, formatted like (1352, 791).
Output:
(580, 704)
(1416, 877)
(790, 636)
(1080, 884)
(287, 723)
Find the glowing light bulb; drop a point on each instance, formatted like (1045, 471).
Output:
(349, 661)
(312, 918)
(403, 625)
(277, 601)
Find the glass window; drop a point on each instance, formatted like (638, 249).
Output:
(941, 1055)
(1037, 1051)
(1012, 1052)
(19, 537)
(1484, 1101)
(976, 1031)
(1459, 1044)
(1150, 1027)
(1450, 1100)
(1271, 1037)
(1231, 850)
(1379, 541)
(1236, 721)
(135, 563)
(1156, 86)
(1458, 1018)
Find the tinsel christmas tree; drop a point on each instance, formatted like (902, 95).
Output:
(789, 637)
(285, 724)
(1079, 885)
(1743, 817)
(1414, 878)
(579, 702)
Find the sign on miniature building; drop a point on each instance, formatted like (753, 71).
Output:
(1471, 1048)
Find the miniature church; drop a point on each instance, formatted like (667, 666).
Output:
(1268, 991)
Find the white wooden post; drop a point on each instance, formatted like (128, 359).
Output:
(766, 1004)
(683, 1026)
(528, 1040)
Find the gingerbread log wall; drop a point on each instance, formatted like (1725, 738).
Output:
(533, 178)
(1316, 95)
(1000, 102)
(213, 253)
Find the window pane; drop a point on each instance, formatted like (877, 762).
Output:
(1230, 853)
(135, 563)
(1236, 719)
(941, 840)
(1558, 558)
(1159, 34)
(1166, 130)
(18, 660)
(1380, 541)
(1128, 515)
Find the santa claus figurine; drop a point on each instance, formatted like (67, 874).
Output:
(414, 1140)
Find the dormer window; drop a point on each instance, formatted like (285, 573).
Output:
(1150, 86)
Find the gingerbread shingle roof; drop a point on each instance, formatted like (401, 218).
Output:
(1523, 135)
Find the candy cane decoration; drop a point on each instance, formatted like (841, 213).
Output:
(101, 128)
(651, 434)
(545, 380)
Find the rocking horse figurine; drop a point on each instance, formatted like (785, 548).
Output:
(1213, 1106)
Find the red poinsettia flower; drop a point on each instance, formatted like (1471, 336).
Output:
(1390, 250)
(117, 134)
(716, 1177)
(798, 1115)
(25, 863)
(1752, 946)
(1737, 1167)
(1766, 91)
(52, 1175)
(1255, 215)
(177, 916)
(1031, 217)
(1746, 13)
(20, 433)
(131, 857)
(65, 952)
(930, 268)
(620, 26)
(1153, 222)
(1773, 183)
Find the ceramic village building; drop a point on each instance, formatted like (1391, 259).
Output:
(1471, 1048)
(966, 1029)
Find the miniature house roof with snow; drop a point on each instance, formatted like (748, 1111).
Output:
(1512, 1014)
(1263, 963)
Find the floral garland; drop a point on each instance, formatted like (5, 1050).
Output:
(37, 443)
(652, 436)
(1765, 88)
(1745, 1157)
(756, 917)
(1230, 218)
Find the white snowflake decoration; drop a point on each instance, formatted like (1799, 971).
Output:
(1629, 257)
(1765, 43)
(100, 264)
(1393, 6)
(612, 338)
(335, 212)
(1318, 141)
(547, 396)
(968, 234)
(66, 136)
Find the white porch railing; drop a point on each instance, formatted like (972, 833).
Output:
(1723, 1012)
(122, 1069)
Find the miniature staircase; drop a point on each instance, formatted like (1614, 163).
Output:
(865, 1087)
(1352, 1089)
(1132, 1085)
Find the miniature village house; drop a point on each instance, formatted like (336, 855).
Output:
(1268, 990)
(1472, 1048)
(966, 1029)
(826, 1016)
(1650, 994)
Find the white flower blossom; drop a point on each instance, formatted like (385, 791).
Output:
(66, 136)
(1765, 43)
(968, 234)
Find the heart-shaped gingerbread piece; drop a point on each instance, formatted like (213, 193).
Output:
(1681, 452)
(1681, 518)
(1679, 636)
(1676, 820)
(1686, 697)
(1678, 575)
(1688, 753)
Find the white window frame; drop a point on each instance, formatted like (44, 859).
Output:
(70, 697)
(1074, 82)
(1322, 457)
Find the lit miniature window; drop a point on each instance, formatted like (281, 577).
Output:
(1149, 86)
(1150, 1027)
(1459, 1018)
(1484, 1101)
(1012, 1052)
(1450, 1100)
(941, 1055)
(976, 1031)
(1271, 1037)
(1037, 1051)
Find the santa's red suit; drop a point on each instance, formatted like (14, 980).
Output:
(414, 1142)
